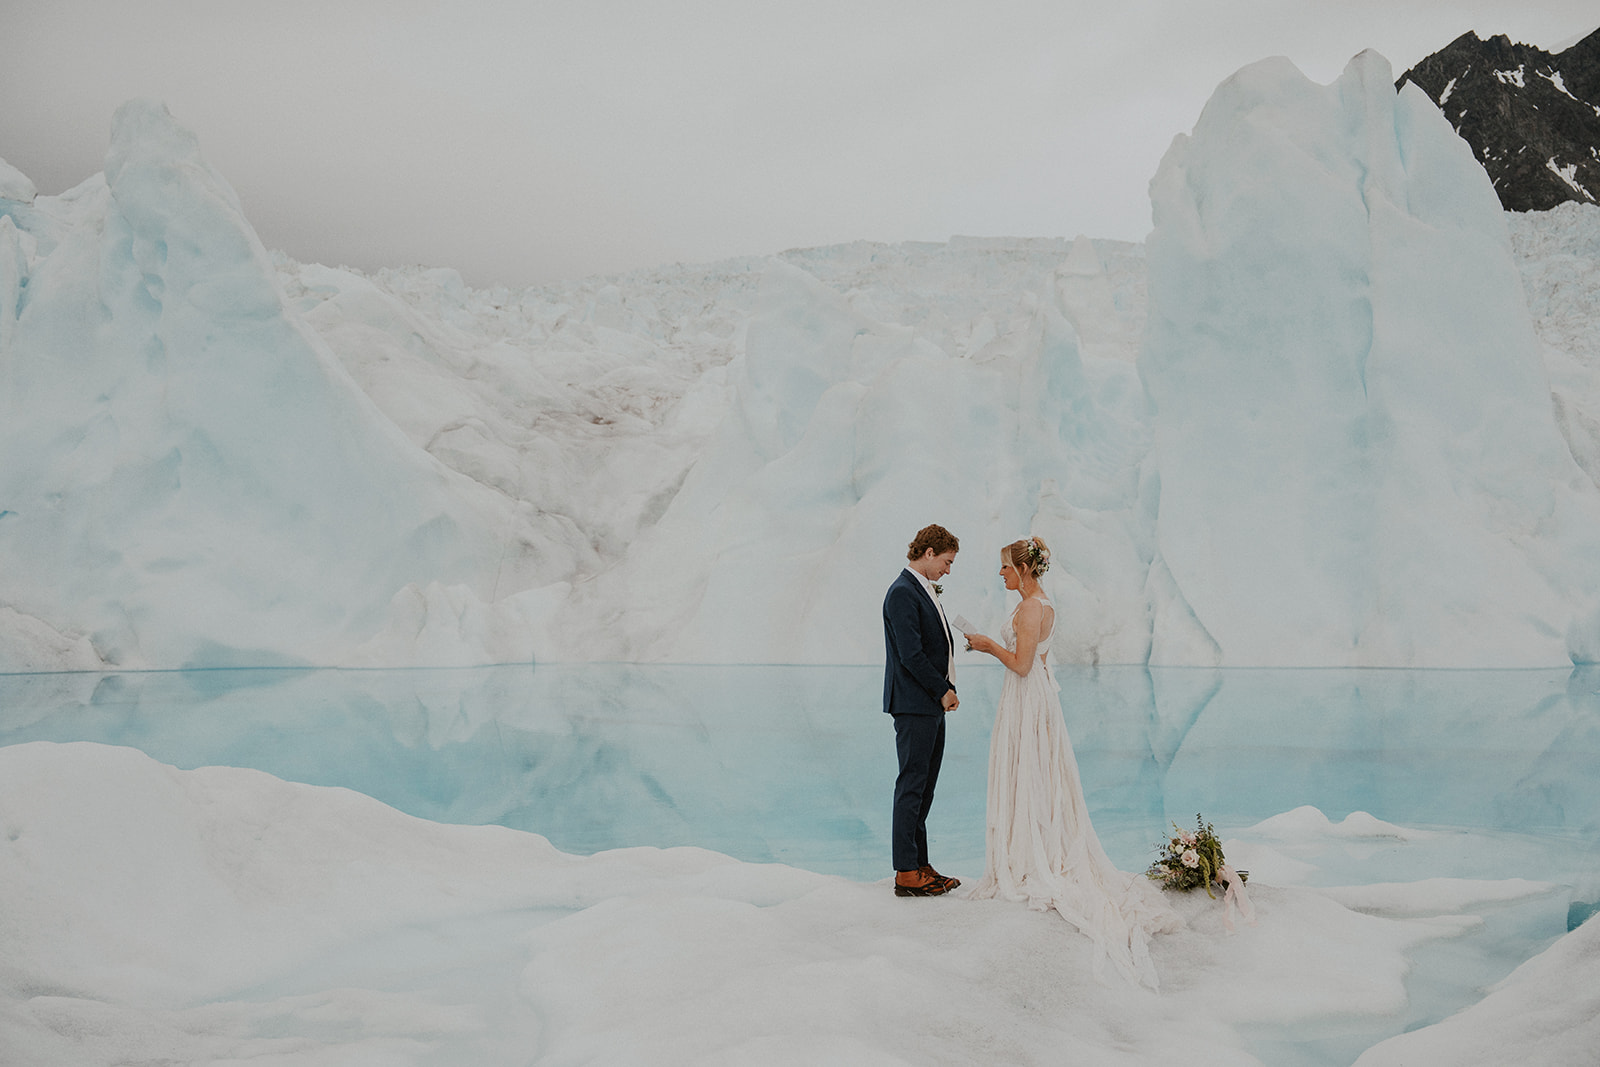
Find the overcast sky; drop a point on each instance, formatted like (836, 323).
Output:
(528, 141)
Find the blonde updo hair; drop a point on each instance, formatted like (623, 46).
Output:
(1029, 556)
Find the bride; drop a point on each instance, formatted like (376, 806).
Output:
(1040, 846)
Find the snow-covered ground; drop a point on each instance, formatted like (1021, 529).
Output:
(222, 915)
(216, 913)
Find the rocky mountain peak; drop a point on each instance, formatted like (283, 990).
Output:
(1531, 117)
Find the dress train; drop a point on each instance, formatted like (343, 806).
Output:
(1040, 846)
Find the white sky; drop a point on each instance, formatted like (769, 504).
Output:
(528, 140)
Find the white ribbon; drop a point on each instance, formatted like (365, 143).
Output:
(1234, 897)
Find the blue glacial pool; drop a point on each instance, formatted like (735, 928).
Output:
(795, 764)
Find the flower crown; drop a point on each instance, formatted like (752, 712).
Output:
(1038, 556)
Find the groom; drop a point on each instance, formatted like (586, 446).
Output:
(918, 688)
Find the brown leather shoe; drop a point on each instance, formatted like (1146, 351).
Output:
(918, 884)
(949, 883)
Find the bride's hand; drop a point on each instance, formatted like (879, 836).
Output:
(980, 643)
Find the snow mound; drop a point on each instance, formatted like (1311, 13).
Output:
(1308, 822)
(155, 914)
(1547, 1011)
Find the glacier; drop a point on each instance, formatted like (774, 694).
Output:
(1337, 411)
(1313, 421)
(191, 478)
(1354, 431)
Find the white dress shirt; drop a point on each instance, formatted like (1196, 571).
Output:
(950, 668)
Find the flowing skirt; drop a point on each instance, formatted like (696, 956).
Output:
(1041, 848)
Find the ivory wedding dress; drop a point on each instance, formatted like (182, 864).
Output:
(1041, 848)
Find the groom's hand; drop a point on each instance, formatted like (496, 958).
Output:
(951, 701)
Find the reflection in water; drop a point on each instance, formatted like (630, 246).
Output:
(796, 764)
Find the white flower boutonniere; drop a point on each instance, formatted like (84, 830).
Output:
(938, 590)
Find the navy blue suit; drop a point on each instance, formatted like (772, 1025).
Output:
(916, 662)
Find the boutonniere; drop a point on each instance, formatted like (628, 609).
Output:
(938, 590)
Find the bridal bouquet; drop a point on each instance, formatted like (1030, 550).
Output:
(1191, 858)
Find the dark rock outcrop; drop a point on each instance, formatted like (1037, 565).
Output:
(1532, 118)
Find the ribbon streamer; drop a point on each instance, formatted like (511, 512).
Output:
(1234, 897)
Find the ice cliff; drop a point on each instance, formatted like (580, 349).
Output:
(1325, 436)
(1355, 443)
(191, 478)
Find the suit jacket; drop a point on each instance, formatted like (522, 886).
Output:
(916, 651)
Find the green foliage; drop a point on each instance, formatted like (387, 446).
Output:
(1189, 860)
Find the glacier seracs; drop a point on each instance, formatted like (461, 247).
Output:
(1357, 455)
(192, 478)
(1337, 446)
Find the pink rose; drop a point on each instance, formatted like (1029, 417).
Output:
(1191, 858)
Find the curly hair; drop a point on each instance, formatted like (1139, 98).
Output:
(935, 538)
(1030, 555)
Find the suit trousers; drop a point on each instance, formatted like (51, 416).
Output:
(919, 742)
